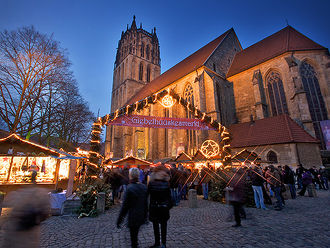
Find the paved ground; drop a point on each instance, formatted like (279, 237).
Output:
(303, 223)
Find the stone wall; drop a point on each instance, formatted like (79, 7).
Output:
(247, 98)
(307, 154)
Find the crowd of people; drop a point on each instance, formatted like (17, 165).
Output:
(166, 186)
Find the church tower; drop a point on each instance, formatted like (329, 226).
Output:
(137, 63)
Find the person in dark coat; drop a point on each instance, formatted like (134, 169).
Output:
(160, 203)
(236, 194)
(135, 204)
(114, 179)
(299, 172)
(174, 184)
(288, 178)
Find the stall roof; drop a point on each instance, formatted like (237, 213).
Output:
(24, 146)
(183, 158)
(199, 156)
(130, 160)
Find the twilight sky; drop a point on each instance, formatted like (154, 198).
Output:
(90, 29)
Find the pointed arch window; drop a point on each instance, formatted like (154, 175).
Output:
(272, 157)
(188, 95)
(141, 72)
(276, 94)
(118, 74)
(148, 73)
(142, 50)
(122, 72)
(148, 52)
(313, 92)
(315, 99)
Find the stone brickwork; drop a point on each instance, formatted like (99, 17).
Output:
(247, 97)
(307, 154)
(137, 63)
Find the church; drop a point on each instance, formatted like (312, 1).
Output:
(272, 96)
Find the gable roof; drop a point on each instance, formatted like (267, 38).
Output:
(131, 160)
(25, 146)
(274, 130)
(199, 156)
(181, 69)
(183, 157)
(286, 40)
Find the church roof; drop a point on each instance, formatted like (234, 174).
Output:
(274, 130)
(286, 40)
(181, 69)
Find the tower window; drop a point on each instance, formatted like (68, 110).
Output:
(142, 50)
(214, 68)
(276, 94)
(148, 52)
(141, 72)
(148, 73)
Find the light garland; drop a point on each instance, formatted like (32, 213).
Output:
(168, 99)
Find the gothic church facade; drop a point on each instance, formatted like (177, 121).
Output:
(284, 74)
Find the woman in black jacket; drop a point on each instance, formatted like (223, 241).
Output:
(160, 202)
(135, 204)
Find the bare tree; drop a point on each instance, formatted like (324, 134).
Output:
(38, 93)
(28, 62)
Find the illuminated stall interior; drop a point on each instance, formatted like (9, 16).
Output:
(17, 155)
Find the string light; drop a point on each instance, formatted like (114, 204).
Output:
(127, 107)
(169, 98)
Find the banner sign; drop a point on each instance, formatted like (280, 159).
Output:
(325, 126)
(160, 122)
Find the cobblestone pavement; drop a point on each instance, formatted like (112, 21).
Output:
(303, 223)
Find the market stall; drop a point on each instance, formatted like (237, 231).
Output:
(22, 161)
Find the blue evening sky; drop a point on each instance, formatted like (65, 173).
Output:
(90, 29)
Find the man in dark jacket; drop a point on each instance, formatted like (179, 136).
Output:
(135, 204)
(288, 178)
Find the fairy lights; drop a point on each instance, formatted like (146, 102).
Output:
(167, 98)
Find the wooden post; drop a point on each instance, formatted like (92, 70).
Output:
(72, 172)
(11, 165)
(57, 170)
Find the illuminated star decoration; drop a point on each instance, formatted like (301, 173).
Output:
(210, 148)
(167, 101)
